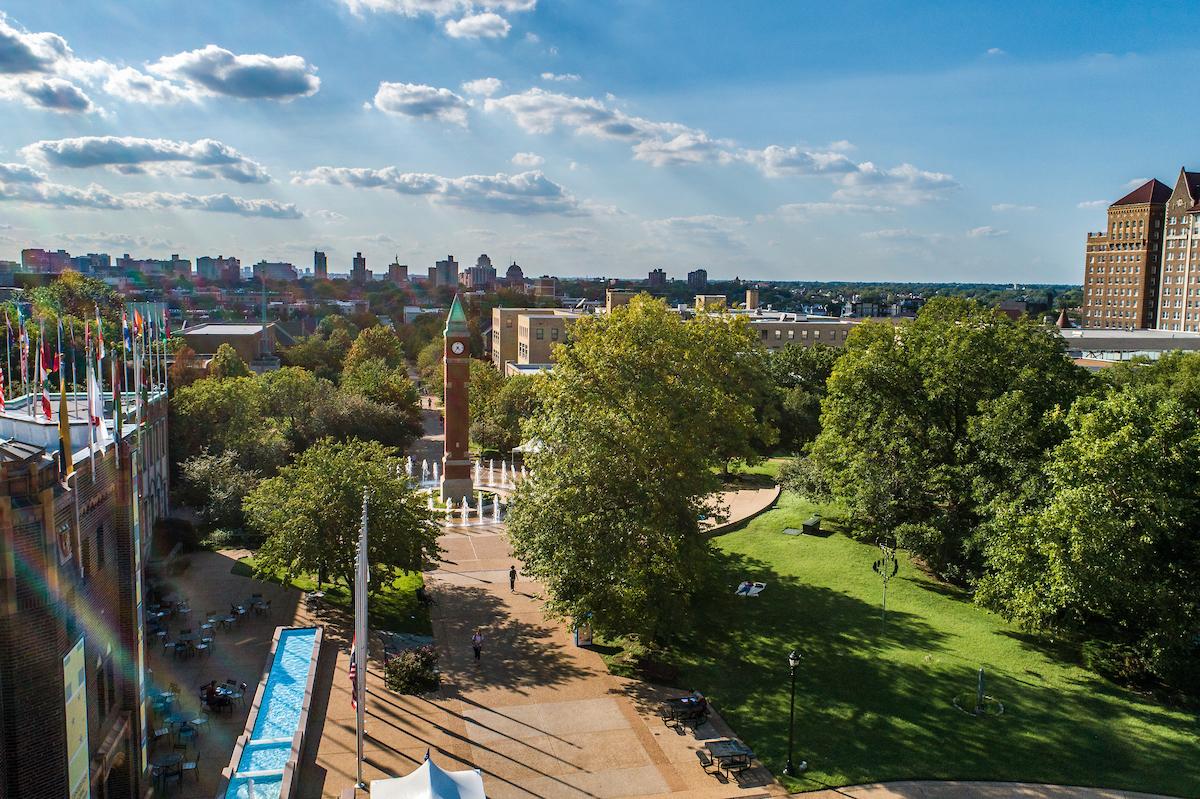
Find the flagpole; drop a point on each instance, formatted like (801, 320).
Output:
(91, 410)
(8, 349)
(74, 382)
(360, 634)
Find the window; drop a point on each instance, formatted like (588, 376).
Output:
(541, 333)
(85, 558)
(100, 547)
(791, 335)
(508, 322)
(764, 335)
(554, 334)
(778, 334)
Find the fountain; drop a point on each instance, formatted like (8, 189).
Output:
(408, 466)
(466, 511)
(450, 509)
(479, 506)
(478, 469)
(431, 500)
(435, 474)
(491, 470)
(495, 508)
(424, 470)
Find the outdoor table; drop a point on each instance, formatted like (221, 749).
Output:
(682, 706)
(728, 750)
(226, 621)
(176, 718)
(164, 764)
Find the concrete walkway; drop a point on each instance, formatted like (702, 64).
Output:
(950, 789)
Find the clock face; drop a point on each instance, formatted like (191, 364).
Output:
(457, 348)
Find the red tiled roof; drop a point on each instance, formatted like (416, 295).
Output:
(1152, 191)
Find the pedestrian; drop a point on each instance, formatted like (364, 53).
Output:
(477, 643)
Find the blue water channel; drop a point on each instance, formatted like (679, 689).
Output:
(270, 746)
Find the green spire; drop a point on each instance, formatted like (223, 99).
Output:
(456, 322)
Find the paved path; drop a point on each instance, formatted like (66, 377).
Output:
(950, 789)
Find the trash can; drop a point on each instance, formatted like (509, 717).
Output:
(812, 525)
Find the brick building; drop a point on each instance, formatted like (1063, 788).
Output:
(1179, 289)
(72, 643)
(1121, 274)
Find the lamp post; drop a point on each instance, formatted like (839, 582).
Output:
(793, 659)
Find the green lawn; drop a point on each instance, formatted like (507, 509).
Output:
(875, 704)
(393, 608)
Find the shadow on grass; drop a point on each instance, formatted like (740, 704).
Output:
(872, 706)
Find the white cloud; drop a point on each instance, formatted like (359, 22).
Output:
(487, 25)
(126, 241)
(1130, 185)
(422, 102)
(903, 185)
(1006, 207)
(802, 211)
(566, 77)
(903, 235)
(436, 8)
(205, 158)
(706, 230)
(1093, 204)
(995, 51)
(50, 94)
(485, 87)
(523, 194)
(20, 184)
(776, 161)
(528, 160)
(217, 71)
(986, 232)
(23, 52)
(137, 87)
(540, 111)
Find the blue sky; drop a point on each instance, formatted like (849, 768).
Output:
(854, 140)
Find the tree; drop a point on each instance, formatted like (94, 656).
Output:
(800, 375)
(185, 368)
(227, 415)
(499, 424)
(227, 363)
(429, 364)
(375, 343)
(310, 514)
(486, 384)
(630, 430)
(388, 386)
(896, 444)
(297, 400)
(354, 416)
(1109, 550)
(216, 486)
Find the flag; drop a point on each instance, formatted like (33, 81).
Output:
(361, 580)
(64, 420)
(1, 391)
(126, 335)
(99, 336)
(44, 369)
(354, 673)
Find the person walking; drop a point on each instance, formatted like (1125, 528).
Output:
(477, 643)
(512, 579)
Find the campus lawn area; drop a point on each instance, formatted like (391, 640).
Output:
(768, 467)
(875, 704)
(393, 607)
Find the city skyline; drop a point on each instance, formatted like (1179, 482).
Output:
(867, 143)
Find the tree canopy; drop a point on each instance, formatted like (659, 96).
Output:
(310, 514)
(227, 363)
(637, 413)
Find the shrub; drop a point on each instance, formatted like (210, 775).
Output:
(1118, 662)
(413, 671)
(805, 478)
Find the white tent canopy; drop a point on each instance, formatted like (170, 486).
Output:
(532, 445)
(431, 782)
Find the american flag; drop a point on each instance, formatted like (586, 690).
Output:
(354, 674)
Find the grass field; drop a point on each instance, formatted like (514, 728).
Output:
(393, 608)
(875, 703)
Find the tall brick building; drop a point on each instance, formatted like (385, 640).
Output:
(72, 644)
(1179, 291)
(1121, 273)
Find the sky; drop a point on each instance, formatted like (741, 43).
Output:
(932, 141)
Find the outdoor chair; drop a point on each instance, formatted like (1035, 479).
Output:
(737, 765)
(192, 766)
(162, 732)
(707, 763)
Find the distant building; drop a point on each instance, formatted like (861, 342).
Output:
(1120, 279)
(545, 286)
(481, 276)
(697, 280)
(514, 277)
(526, 336)
(154, 266)
(708, 303)
(1178, 305)
(359, 274)
(615, 298)
(92, 263)
(751, 299)
(275, 270)
(398, 272)
(657, 278)
(219, 268)
(247, 338)
(45, 261)
(445, 273)
(320, 265)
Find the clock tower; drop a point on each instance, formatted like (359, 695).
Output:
(456, 363)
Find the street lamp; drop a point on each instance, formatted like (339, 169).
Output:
(793, 659)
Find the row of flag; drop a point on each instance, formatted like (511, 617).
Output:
(141, 361)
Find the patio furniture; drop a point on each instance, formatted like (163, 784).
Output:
(200, 723)
(707, 763)
(733, 756)
(192, 766)
(165, 766)
(684, 709)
